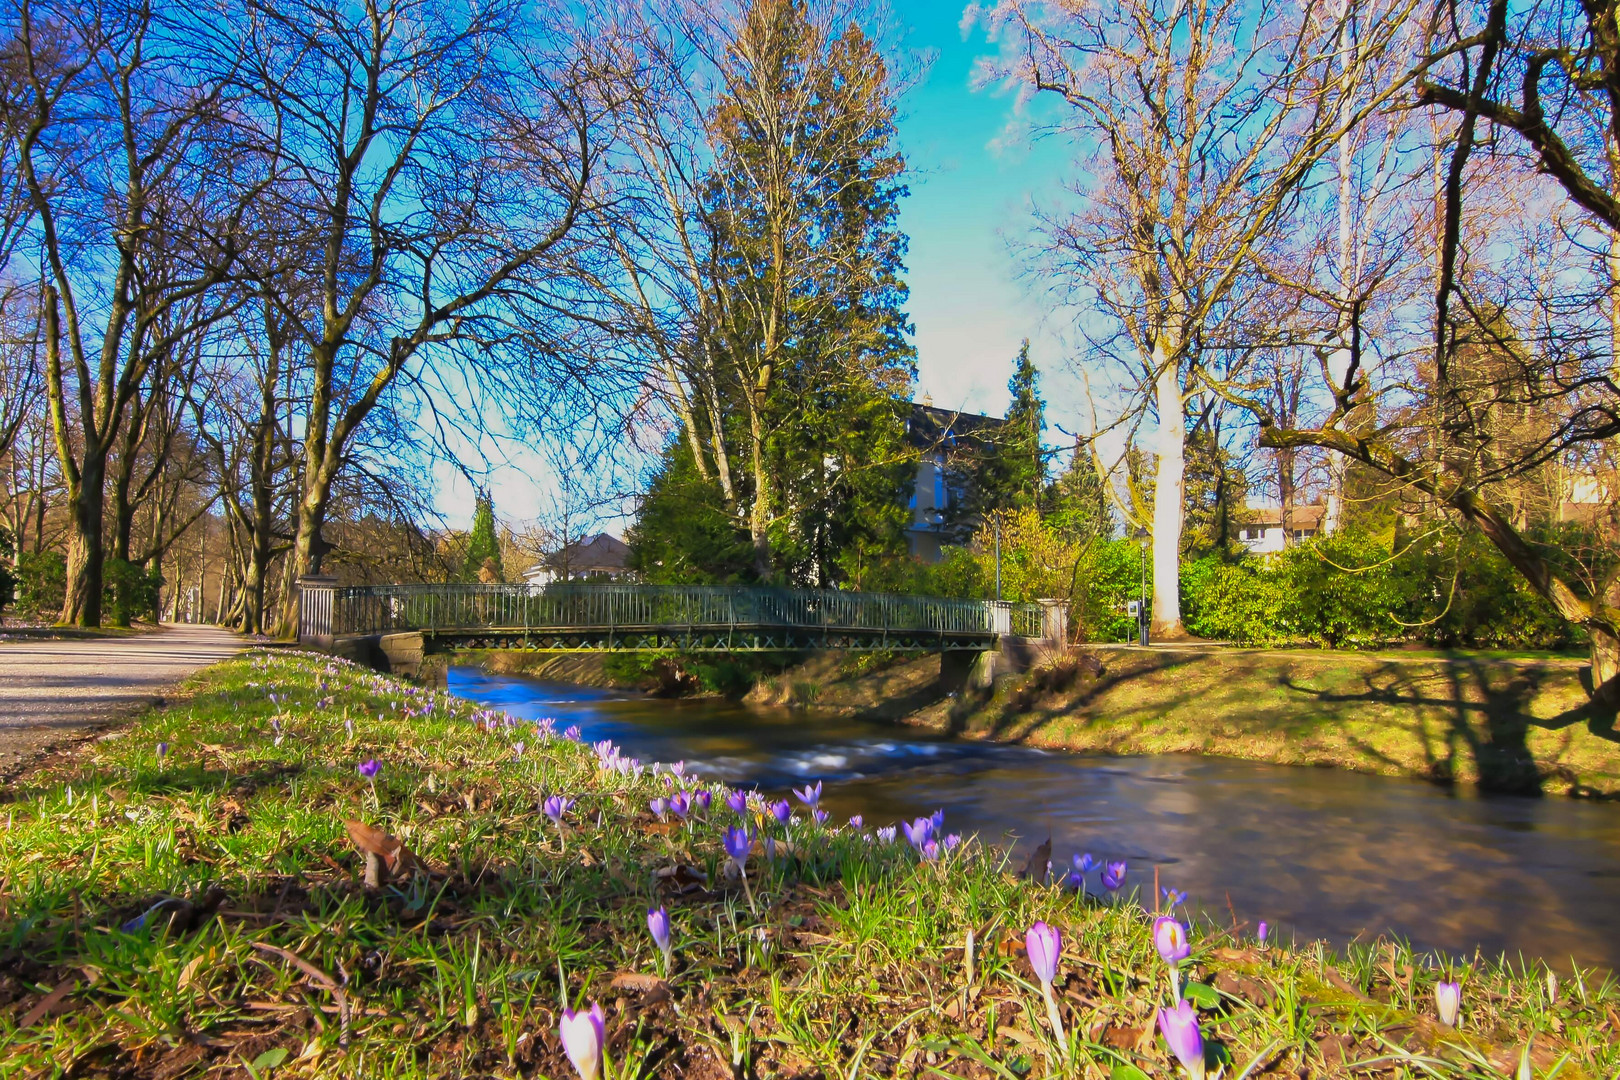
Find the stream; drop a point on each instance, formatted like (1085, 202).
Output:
(1317, 853)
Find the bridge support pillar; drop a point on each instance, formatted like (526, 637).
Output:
(961, 669)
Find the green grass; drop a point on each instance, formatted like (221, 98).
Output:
(843, 958)
(1503, 724)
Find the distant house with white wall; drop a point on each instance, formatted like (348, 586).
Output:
(601, 558)
(945, 439)
(1264, 531)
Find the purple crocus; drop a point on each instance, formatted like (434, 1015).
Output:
(820, 815)
(918, 832)
(701, 799)
(782, 811)
(1170, 938)
(738, 803)
(1179, 1026)
(929, 851)
(739, 842)
(857, 822)
(1448, 1001)
(680, 804)
(886, 834)
(572, 733)
(1260, 933)
(953, 841)
(369, 768)
(162, 750)
(658, 927)
(556, 806)
(1113, 875)
(1084, 864)
(583, 1036)
(811, 795)
(1173, 898)
(1044, 946)
(660, 807)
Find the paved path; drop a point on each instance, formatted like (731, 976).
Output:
(52, 690)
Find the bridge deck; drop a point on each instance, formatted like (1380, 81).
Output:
(579, 617)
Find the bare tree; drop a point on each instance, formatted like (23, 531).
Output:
(1199, 122)
(1545, 82)
(134, 213)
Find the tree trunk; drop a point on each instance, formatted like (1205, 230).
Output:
(759, 515)
(1168, 496)
(82, 604)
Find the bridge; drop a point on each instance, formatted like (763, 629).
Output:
(574, 617)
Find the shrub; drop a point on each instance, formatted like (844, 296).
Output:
(129, 591)
(41, 583)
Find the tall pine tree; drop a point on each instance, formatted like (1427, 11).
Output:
(483, 561)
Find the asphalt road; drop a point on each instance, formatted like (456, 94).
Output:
(51, 691)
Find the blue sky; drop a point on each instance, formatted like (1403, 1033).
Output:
(969, 208)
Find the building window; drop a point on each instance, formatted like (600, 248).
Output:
(940, 492)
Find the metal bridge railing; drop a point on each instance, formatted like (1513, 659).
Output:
(328, 610)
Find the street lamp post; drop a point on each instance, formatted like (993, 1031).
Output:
(1141, 538)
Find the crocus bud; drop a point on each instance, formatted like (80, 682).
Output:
(583, 1036)
(660, 807)
(369, 768)
(162, 750)
(737, 801)
(1261, 931)
(1113, 875)
(782, 811)
(1179, 1026)
(1170, 938)
(658, 927)
(1447, 1001)
(1044, 945)
(738, 843)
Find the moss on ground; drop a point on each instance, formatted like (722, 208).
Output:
(204, 913)
(1506, 724)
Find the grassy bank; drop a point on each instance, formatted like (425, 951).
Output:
(204, 912)
(1512, 724)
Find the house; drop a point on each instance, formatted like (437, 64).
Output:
(946, 441)
(601, 558)
(1263, 532)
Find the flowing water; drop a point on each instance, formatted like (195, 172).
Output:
(1315, 852)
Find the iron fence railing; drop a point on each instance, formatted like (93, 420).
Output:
(372, 609)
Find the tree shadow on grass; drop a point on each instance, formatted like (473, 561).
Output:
(1472, 718)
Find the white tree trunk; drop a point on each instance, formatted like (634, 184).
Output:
(1348, 272)
(1169, 493)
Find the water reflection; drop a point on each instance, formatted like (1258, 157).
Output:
(1317, 852)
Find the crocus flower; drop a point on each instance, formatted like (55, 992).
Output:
(369, 768)
(162, 750)
(658, 927)
(1261, 931)
(572, 733)
(660, 807)
(1044, 945)
(857, 822)
(811, 795)
(680, 804)
(918, 832)
(701, 799)
(1113, 875)
(1084, 864)
(1447, 1001)
(583, 1035)
(1172, 897)
(556, 806)
(929, 851)
(738, 802)
(738, 843)
(781, 811)
(886, 834)
(1179, 1026)
(517, 750)
(820, 815)
(1170, 938)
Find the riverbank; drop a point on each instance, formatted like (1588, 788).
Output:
(1506, 724)
(206, 910)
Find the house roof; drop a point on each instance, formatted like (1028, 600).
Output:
(929, 428)
(600, 552)
(1301, 517)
